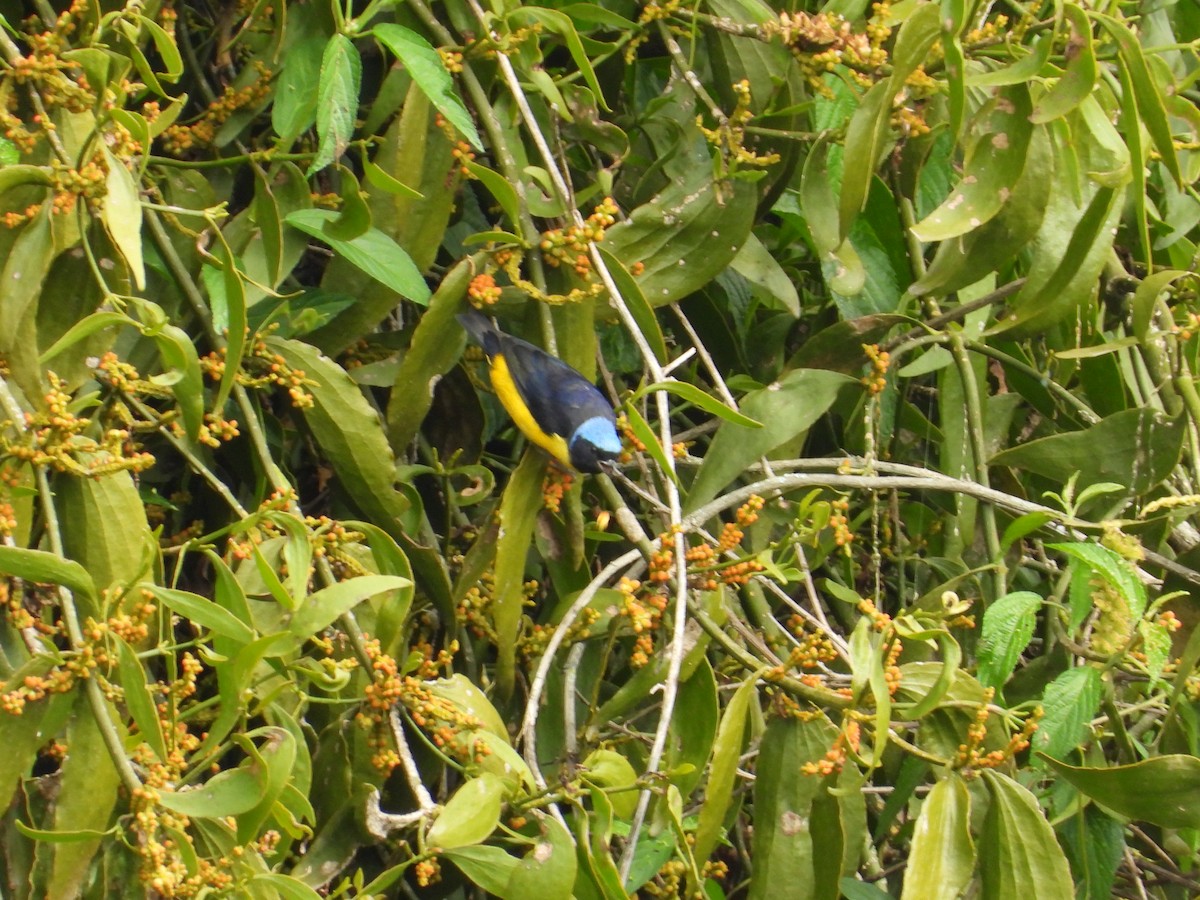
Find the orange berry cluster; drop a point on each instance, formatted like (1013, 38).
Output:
(644, 611)
(463, 153)
(840, 522)
(876, 379)
(427, 872)
(834, 759)
(570, 246)
(824, 41)
(971, 755)
(483, 290)
(555, 486)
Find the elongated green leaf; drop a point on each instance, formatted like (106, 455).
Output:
(786, 409)
(1023, 858)
(695, 395)
(202, 611)
(1070, 702)
(436, 346)
(105, 528)
(46, 568)
(1145, 91)
(518, 511)
(139, 699)
(297, 88)
(1081, 73)
(322, 608)
(228, 793)
(942, 859)
(1007, 628)
(349, 432)
(373, 252)
(1146, 297)
(994, 164)
(487, 866)
(1163, 790)
(722, 774)
(428, 73)
(123, 217)
(337, 100)
(1137, 448)
(639, 306)
(86, 799)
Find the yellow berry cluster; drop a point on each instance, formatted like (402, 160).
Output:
(179, 139)
(535, 638)
(260, 368)
(823, 41)
(570, 246)
(876, 379)
(729, 137)
(55, 437)
(452, 60)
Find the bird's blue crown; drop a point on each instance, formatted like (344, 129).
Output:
(600, 433)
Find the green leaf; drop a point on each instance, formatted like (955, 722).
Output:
(639, 307)
(1156, 644)
(1007, 628)
(437, 343)
(428, 73)
(519, 507)
(555, 21)
(1081, 73)
(471, 701)
(698, 397)
(46, 568)
(178, 352)
(229, 793)
(547, 870)
(609, 769)
(140, 700)
(1145, 92)
(1163, 790)
(276, 760)
(488, 867)
(104, 527)
(296, 90)
(499, 187)
(372, 252)
(1070, 702)
(1145, 299)
(201, 611)
(337, 100)
(722, 774)
(942, 859)
(322, 608)
(686, 235)
(123, 216)
(769, 282)
(1023, 858)
(994, 163)
(88, 785)
(1135, 447)
(1113, 568)
(786, 409)
(782, 845)
(348, 430)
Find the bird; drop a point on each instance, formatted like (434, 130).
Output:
(553, 404)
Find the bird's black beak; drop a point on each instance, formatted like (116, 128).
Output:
(608, 466)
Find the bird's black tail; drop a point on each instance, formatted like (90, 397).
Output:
(481, 329)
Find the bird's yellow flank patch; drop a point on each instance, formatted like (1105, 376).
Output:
(510, 397)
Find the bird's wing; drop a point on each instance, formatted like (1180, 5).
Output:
(558, 396)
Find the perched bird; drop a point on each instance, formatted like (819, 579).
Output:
(556, 407)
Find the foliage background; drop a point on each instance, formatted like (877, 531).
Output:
(894, 595)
